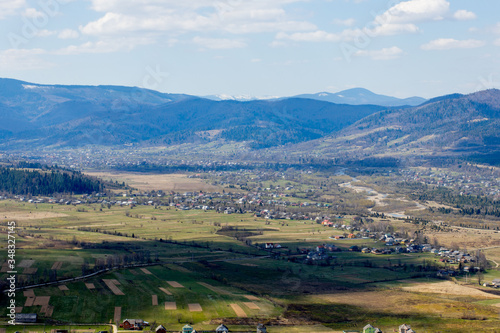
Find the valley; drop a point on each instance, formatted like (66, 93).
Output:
(208, 232)
(297, 213)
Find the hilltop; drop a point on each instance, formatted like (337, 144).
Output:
(454, 125)
(34, 115)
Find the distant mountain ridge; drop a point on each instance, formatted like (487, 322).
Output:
(36, 115)
(355, 96)
(361, 96)
(452, 125)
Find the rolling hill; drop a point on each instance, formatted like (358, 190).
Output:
(360, 96)
(454, 125)
(34, 115)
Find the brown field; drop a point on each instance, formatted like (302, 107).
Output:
(175, 284)
(18, 309)
(195, 307)
(251, 298)
(29, 301)
(146, 271)
(215, 289)
(469, 238)
(29, 293)
(63, 287)
(41, 300)
(154, 299)
(170, 306)
(118, 314)
(5, 267)
(449, 288)
(47, 310)
(165, 182)
(133, 271)
(165, 291)
(90, 286)
(3, 330)
(111, 285)
(57, 265)
(251, 305)
(18, 216)
(239, 311)
(26, 263)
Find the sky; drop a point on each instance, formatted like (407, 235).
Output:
(259, 48)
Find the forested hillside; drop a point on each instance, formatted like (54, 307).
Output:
(35, 182)
(455, 125)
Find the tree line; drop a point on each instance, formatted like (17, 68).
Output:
(34, 182)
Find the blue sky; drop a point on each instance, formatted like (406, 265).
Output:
(255, 47)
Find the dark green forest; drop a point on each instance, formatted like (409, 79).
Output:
(33, 182)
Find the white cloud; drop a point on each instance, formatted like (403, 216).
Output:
(389, 29)
(104, 46)
(168, 16)
(402, 17)
(413, 11)
(33, 13)
(383, 54)
(10, 7)
(23, 59)
(497, 42)
(316, 36)
(218, 43)
(347, 23)
(464, 15)
(449, 43)
(68, 34)
(45, 33)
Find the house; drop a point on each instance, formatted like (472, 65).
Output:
(222, 329)
(26, 318)
(351, 236)
(496, 283)
(354, 248)
(188, 329)
(161, 329)
(261, 328)
(405, 329)
(133, 324)
(370, 329)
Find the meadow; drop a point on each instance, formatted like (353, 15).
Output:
(218, 268)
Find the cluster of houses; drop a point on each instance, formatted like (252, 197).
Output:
(370, 329)
(255, 203)
(321, 252)
(469, 183)
(139, 324)
(495, 283)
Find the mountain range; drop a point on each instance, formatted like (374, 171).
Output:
(360, 96)
(34, 115)
(37, 115)
(355, 96)
(453, 125)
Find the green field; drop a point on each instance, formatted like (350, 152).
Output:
(193, 247)
(81, 305)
